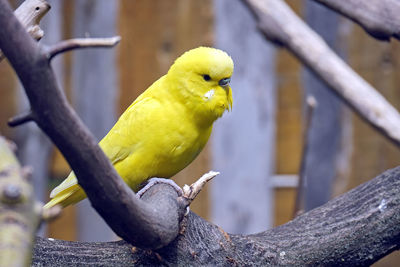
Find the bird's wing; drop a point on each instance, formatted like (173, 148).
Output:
(125, 136)
(122, 139)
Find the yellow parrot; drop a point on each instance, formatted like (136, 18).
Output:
(167, 126)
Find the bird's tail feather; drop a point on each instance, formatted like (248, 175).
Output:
(70, 195)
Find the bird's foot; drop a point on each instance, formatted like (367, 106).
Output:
(154, 181)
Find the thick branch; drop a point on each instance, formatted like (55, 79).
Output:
(134, 220)
(380, 18)
(19, 212)
(281, 25)
(355, 229)
(29, 13)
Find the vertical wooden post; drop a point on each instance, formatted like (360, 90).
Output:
(95, 91)
(243, 141)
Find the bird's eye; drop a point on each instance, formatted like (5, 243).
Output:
(206, 77)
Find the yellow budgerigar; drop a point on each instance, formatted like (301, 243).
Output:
(167, 126)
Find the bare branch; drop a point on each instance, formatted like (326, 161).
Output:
(136, 221)
(79, 43)
(380, 18)
(29, 13)
(355, 229)
(20, 119)
(299, 203)
(190, 192)
(281, 25)
(20, 213)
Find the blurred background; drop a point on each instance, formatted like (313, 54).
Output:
(258, 147)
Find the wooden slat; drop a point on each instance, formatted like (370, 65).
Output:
(289, 108)
(243, 139)
(372, 152)
(7, 98)
(63, 227)
(288, 126)
(377, 62)
(284, 205)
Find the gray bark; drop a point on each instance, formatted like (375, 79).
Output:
(378, 17)
(355, 229)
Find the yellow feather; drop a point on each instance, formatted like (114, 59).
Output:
(167, 126)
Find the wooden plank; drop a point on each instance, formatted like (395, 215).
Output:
(372, 153)
(289, 108)
(324, 134)
(95, 93)
(284, 205)
(288, 126)
(154, 34)
(8, 100)
(63, 227)
(8, 97)
(288, 115)
(243, 139)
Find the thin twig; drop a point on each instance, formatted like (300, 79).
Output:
(20, 119)
(299, 203)
(190, 192)
(79, 43)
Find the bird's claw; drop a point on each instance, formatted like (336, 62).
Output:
(154, 181)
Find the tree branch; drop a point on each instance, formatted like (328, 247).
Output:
(21, 119)
(301, 187)
(29, 13)
(282, 26)
(136, 221)
(78, 43)
(355, 229)
(20, 214)
(379, 18)
(190, 192)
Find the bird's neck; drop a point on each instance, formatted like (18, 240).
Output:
(202, 113)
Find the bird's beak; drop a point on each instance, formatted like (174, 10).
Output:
(224, 82)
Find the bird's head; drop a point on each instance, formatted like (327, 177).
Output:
(203, 75)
